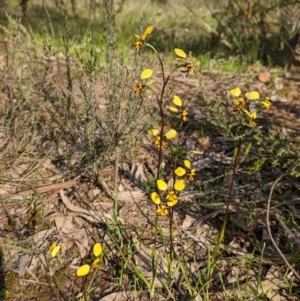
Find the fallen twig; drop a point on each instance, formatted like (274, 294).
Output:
(269, 229)
(51, 187)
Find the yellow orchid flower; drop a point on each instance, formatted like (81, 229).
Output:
(188, 60)
(140, 86)
(240, 102)
(266, 104)
(172, 198)
(96, 262)
(162, 210)
(192, 174)
(141, 39)
(156, 142)
(251, 115)
(178, 102)
(184, 115)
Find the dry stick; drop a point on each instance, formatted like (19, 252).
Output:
(269, 229)
(51, 187)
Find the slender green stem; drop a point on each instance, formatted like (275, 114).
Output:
(171, 228)
(84, 289)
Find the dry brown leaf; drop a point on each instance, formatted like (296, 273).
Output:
(135, 173)
(264, 77)
(132, 196)
(92, 216)
(270, 286)
(67, 226)
(121, 296)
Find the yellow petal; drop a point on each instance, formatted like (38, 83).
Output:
(179, 185)
(55, 250)
(177, 101)
(172, 202)
(161, 185)
(52, 246)
(187, 163)
(137, 36)
(153, 132)
(151, 82)
(236, 92)
(179, 171)
(95, 263)
(173, 109)
(171, 134)
(97, 249)
(146, 73)
(253, 95)
(162, 210)
(247, 113)
(155, 198)
(253, 115)
(147, 32)
(180, 53)
(240, 102)
(83, 270)
(266, 104)
(137, 45)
